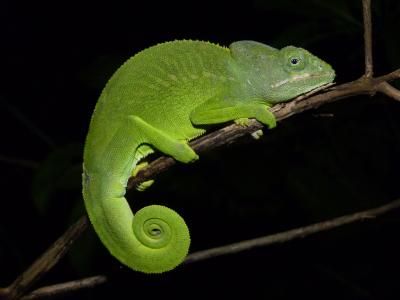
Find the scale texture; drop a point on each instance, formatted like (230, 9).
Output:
(159, 100)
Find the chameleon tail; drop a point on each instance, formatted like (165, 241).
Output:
(154, 240)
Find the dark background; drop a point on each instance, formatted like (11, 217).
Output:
(55, 59)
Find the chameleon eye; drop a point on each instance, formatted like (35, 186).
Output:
(294, 61)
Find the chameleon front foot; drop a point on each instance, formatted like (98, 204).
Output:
(243, 122)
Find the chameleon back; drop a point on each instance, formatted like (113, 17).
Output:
(161, 84)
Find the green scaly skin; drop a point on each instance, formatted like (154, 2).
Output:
(160, 99)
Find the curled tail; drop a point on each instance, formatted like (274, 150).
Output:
(154, 240)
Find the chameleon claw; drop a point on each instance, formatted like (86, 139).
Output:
(146, 184)
(139, 167)
(257, 134)
(243, 122)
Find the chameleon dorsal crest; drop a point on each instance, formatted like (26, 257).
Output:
(250, 51)
(160, 99)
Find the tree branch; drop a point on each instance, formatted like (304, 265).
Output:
(66, 287)
(290, 235)
(389, 90)
(213, 140)
(282, 237)
(367, 38)
(45, 262)
(231, 133)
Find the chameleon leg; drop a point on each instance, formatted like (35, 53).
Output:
(124, 150)
(205, 114)
(161, 141)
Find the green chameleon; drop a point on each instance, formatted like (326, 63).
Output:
(159, 100)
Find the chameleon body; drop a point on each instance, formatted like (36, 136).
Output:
(159, 100)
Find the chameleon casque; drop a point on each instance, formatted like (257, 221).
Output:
(159, 100)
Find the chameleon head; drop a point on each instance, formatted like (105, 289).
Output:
(278, 75)
(297, 72)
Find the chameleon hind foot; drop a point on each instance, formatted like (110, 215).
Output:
(257, 134)
(161, 141)
(146, 184)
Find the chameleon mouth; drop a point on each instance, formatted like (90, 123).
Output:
(325, 77)
(330, 76)
(295, 78)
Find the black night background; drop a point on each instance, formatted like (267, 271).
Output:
(320, 164)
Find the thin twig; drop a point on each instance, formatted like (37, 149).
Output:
(289, 235)
(47, 260)
(198, 256)
(66, 287)
(31, 126)
(389, 90)
(369, 72)
(20, 162)
(388, 77)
